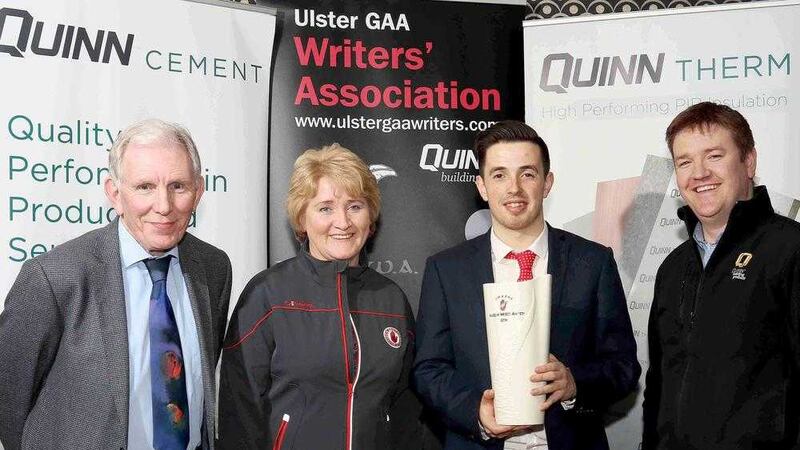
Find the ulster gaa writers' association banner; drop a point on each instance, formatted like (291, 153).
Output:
(407, 86)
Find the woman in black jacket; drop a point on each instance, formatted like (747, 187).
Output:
(319, 348)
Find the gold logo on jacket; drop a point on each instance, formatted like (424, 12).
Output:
(743, 259)
(738, 272)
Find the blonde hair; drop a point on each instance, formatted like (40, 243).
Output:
(344, 168)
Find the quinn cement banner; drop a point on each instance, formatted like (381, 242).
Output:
(602, 90)
(73, 74)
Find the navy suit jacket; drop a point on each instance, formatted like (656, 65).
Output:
(590, 333)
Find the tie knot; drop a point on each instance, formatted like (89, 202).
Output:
(526, 256)
(157, 267)
(525, 260)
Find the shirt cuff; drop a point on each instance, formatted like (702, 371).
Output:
(484, 435)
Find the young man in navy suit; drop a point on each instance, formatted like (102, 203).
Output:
(593, 354)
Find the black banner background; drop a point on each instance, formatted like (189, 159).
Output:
(478, 46)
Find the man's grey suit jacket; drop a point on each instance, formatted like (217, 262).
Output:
(64, 342)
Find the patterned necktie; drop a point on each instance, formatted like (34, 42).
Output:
(525, 260)
(167, 375)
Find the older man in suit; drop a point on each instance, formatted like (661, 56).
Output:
(110, 340)
(593, 354)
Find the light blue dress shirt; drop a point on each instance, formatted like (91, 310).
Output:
(705, 248)
(137, 284)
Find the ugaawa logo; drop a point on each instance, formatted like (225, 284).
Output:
(382, 171)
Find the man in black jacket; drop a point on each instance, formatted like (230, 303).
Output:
(724, 353)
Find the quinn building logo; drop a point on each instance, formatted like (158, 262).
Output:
(21, 34)
(456, 165)
(562, 71)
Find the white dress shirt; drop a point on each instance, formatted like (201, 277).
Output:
(137, 284)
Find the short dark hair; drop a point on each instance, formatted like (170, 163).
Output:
(703, 116)
(509, 131)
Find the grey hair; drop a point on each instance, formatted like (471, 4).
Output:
(149, 131)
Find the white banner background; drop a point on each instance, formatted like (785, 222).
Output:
(204, 65)
(614, 180)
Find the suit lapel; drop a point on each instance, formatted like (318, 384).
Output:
(480, 262)
(558, 250)
(478, 271)
(195, 277)
(107, 290)
(556, 264)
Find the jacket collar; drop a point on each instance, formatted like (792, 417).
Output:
(324, 272)
(745, 215)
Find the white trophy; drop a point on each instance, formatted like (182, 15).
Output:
(518, 335)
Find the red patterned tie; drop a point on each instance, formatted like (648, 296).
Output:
(525, 260)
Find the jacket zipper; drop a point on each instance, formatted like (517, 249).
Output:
(695, 300)
(281, 433)
(350, 383)
(692, 315)
(358, 372)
